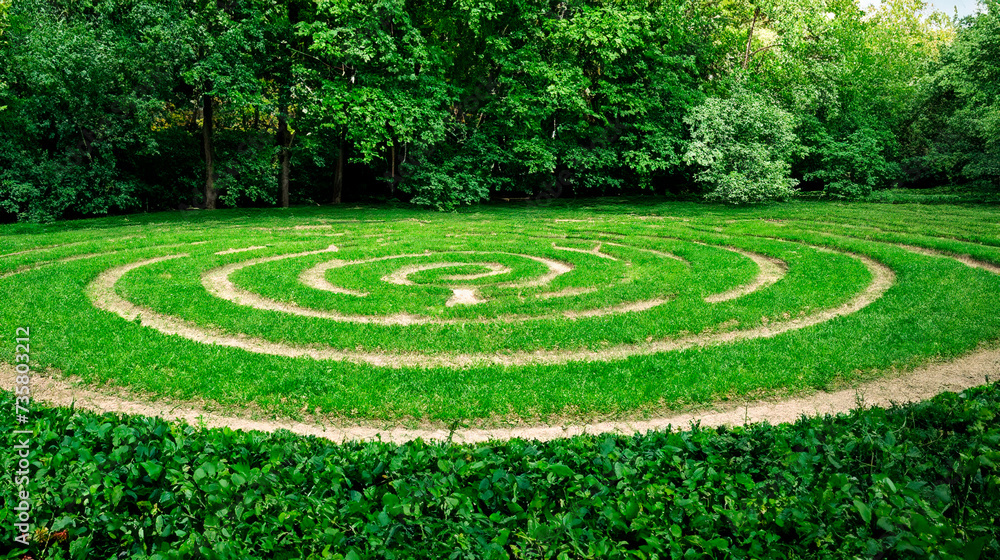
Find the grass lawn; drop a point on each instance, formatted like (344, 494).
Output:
(580, 309)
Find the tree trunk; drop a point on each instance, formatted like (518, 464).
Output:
(193, 125)
(284, 154)
(746, 55)
(285, 172)
(392, 184)
(338, 174)
(206, 134)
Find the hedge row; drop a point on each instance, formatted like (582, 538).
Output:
(917, 481)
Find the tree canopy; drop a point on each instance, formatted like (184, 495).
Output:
(121, 105)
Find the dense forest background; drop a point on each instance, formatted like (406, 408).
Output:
(124, 105)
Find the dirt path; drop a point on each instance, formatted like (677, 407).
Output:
(40, 249)
(771, 270)
(217, 282)
(967, 260)
(923, 383)
(27, 267)
(971, 370)
(102, 293)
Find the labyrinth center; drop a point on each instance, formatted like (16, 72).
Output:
(506, 300)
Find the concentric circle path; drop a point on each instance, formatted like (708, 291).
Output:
(491, 321)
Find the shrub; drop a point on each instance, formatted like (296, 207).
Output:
(919, 481)
(41, 189)
(743, 146)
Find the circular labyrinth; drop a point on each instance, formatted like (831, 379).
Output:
(496, 317)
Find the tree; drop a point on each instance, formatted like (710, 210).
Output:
(853, 167)
(742, 147)
(210, 51)
(280, 65)
(957, 123)
(121, 104)
(377, 83)
(76, 112)
(512, 95)
(846, 75)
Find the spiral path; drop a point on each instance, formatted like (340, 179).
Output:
(923, 383)
(217, 282)
(424, 316)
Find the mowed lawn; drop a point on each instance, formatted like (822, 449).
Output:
(506, 313)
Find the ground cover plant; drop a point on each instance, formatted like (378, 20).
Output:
(506, 314)
(919, 481)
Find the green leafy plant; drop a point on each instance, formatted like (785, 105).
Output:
(919, 481)
(856, 166)
(742, 147)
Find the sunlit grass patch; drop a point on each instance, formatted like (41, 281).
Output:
(592, 310)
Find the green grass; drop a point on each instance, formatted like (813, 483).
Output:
(937, 308)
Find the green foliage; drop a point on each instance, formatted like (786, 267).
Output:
(854, 167)
(847, 73)
(72, 110)
(919, 481)
(381, 81)
(445, 184)
(98, 92)
(742, 146)
(39, 189)
(172, 174)
(248, 168)
(958, 121)
(506, 97)
(449, 103)
(967, 194)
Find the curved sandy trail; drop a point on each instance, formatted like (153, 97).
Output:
(771, 270)
(40, 249)
(576, 291)
(33, 266)
(231, 251)
(102, 294)
(566, 292)
(401, 276)
(923, 383)
(629, 307)
(967, 260)
(315, 278)
(216, 281)
(596, 251)
(83, 256)
(651, 251)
